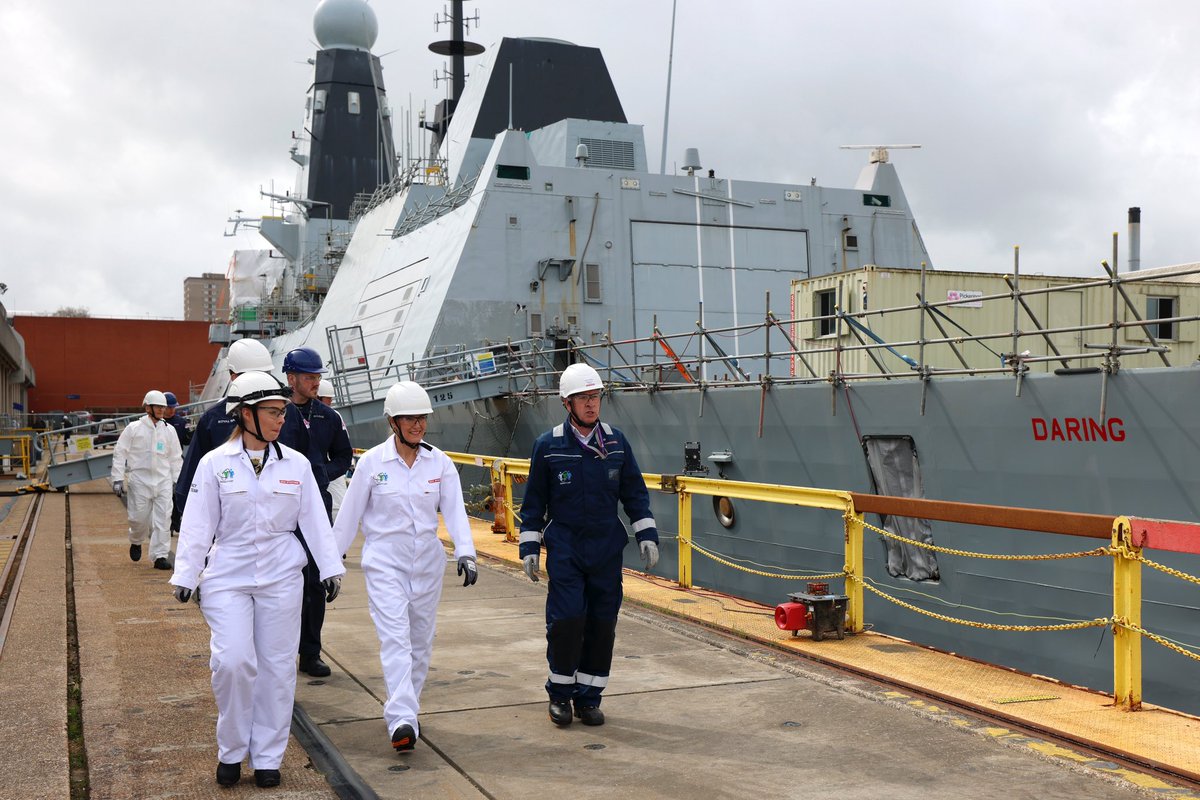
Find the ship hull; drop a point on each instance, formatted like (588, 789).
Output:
(978, 442)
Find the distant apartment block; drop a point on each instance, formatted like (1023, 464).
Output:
(206, 299)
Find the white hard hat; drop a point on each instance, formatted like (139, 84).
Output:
(579, 378)
(154, 398)
(252, 387)
(325, 389)
(248, 355)
(406, 399)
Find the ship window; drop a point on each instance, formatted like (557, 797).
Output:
(591, 283)
(361, 310)
(895, 471)
(388, 341)
(850, 241)
(824, 303)
(396, 320)
(535, 325)
(507, 172)
(1162, 308)
(319, 102)
(354, 102)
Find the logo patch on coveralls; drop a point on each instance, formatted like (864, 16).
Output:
(380, 478)
(564, 477)
(225, 475)
(614, 474)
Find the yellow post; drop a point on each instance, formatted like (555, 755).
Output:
(1127, 608)
(510, 517)
(854, 570)
(685, 539)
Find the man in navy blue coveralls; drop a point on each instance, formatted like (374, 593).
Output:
(317, 431)
(579, 470)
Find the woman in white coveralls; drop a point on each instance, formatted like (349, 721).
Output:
(395, 494)
(146, 462)
(246, 500)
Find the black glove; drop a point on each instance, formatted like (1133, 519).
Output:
(467, 564)
(183, 594)
(332, 587)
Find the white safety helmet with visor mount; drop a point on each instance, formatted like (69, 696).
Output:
(250, 389)
(248, 355)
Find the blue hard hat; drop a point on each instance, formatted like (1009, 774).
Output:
(303, 359)
(171, 401)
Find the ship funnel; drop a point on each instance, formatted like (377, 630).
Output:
(691, 160)
(1135, 239)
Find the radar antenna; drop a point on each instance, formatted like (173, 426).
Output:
(879, 152)
(241, 222)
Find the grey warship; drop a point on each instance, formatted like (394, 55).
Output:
(528, 231)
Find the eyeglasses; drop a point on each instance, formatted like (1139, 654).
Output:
(414, 419)
(273, 413)
(593, 397)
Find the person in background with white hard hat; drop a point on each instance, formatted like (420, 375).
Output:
(579, 471)
(238, 543)
(337, 484)
(395, 494)
(215, 425)
(146, 462)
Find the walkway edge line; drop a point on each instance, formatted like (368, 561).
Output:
(342, 778)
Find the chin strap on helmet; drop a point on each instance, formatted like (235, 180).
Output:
(257, 432)
(400, 436)
(575, 420)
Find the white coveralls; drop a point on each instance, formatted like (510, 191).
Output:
(252, 587)
(148, 459)
(403, 560)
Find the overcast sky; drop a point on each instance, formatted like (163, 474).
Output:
(133, 129)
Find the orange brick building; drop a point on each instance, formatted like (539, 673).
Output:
(107, 365)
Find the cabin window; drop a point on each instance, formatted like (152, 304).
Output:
(895, 471)
(591, 283)
(506, 172)
(354, 102)
(849, 240)
(1162, 308)
(534, 328)
(824, 305)
(319, 101)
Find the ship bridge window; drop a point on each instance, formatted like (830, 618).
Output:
(319, 101)
(895, 471)
(354, 102)
(824, 305)
(508, 172)
(1162, 308)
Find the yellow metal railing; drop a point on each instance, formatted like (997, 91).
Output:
(1125, 536)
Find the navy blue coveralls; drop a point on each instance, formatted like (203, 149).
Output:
(570, 506)
(316, 430)
(180, 425)
(213, 430)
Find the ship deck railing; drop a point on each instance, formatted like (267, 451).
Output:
(1125, 538)
(696, 359)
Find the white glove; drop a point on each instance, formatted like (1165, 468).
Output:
(118, 488)
(333, 586)
(530, 565)
(649, 554)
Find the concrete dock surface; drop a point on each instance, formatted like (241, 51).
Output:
(691, 712)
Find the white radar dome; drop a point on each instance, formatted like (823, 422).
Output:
(345, 25)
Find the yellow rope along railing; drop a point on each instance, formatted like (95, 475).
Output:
(1183, 576)
(1099, 551)
(728, 563)
(989, 626)
(1183, 651)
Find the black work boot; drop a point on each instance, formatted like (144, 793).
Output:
(589, 715)
(314, 666)
(135, 552)
(228, 774)
(404, 738)
(560, 712)
(266, 778)
(162, 563)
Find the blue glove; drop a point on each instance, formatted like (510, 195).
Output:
(467, 564)
(649, 554)
(333, 586)
(530, 565)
